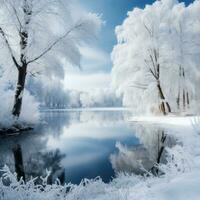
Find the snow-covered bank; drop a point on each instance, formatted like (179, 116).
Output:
(180, 182)
(30, 109)
(88, 109)
(170, 120)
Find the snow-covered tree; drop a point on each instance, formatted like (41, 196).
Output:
(154, 62)
(182, 51)
(36, 36)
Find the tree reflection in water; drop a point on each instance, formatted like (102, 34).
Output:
(38, 155)
(38, 163)
(147, 156)
(88, 139)
(19, 165)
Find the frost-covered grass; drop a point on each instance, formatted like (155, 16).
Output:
(180, 182)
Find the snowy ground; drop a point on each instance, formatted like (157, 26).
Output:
(88, 109)
(168, 120)
(180, 182)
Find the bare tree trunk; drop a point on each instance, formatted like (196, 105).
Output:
(24, 36)
(165, 107)
(178, 101)
(161, 147)
(19, 167)
(183, 99)
(188, 100)
(19, 91)
(62, 177)
(162, 108)
(179, 90)
(168, 107)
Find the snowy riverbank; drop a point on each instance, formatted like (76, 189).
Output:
(180, 182)
(167, 120)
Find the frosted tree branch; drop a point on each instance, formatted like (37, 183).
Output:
(54, 43)
(9, 48)
(16, 15)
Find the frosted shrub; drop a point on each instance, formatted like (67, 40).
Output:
(123, 187)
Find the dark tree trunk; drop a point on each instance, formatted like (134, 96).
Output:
(24, 36)
(179, 89)
(168, 107)
(19, 91)
(62, 177)
(183, 99)
(165, 107)
(19, 167)
(188, 100)
(161, 147)
(178, 101)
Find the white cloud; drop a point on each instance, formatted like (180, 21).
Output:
(94, 59)
(94, 73)
(95, 69)
(87, 82)
(93, 53)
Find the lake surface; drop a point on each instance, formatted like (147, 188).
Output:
(75, 145)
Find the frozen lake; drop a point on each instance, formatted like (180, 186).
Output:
(86, 144)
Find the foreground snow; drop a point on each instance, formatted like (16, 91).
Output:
(180, 182)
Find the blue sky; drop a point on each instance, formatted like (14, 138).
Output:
(113, 12)
(96, 59)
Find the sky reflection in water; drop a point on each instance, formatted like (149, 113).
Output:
(83, 145)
